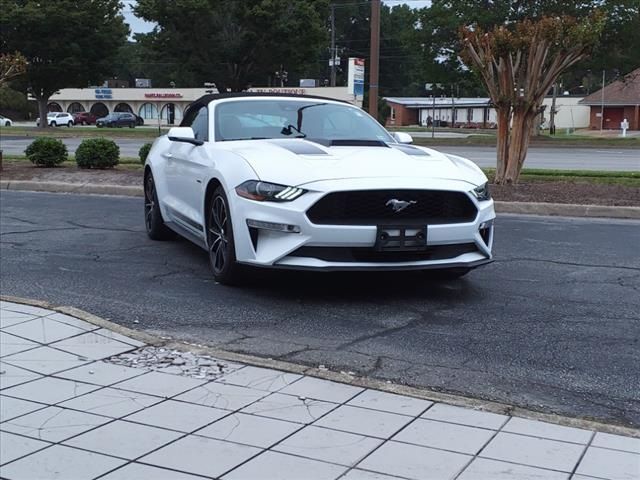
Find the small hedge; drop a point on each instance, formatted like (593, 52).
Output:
(143, 153)
(97, 153)
(46, 152)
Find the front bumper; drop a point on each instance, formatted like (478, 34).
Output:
(448, 245)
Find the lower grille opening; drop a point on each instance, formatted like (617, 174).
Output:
(367, 254)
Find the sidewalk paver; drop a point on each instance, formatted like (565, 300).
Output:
(75, 403)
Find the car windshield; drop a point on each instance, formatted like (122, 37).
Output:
(299, 118)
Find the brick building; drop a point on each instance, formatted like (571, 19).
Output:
(621, 100)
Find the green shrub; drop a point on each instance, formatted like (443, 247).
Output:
(143, 153)
(46, 152)
(97, 153)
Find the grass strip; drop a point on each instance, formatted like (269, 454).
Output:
(76, 131)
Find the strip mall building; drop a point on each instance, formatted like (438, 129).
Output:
(161, 105)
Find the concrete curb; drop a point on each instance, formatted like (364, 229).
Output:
(529, 208)
(341, 377)
(567, 210)
(65, 187)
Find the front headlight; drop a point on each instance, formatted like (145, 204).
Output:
(268, 192)
(482, 192)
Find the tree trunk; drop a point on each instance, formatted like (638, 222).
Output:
(42, 109)
(502, 147)
(519, 143)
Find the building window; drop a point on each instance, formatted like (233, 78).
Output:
(469, 115)
(148, 111)
(75, 107)
(393, 113)
(99, 110)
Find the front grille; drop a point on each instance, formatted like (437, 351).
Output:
(370, 207)
(367, 254)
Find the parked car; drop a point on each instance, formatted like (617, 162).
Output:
(84, 118)
(58, 119)
(310, 183)
(117, 119)
(5, 122)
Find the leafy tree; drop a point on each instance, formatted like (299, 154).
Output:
(232, 43)
(67, 43)
(518, 64)
(618, 49)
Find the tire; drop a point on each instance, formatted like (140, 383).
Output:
(220, 242)
(7, 124)
(132, 125)
(153, 221)
(448, 273)
(70, 124)
(53, 124)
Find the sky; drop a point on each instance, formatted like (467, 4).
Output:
(140, 26)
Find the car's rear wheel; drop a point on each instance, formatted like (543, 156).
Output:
(220, 243)
(7, 124)
(70, 124)
(154, 223)
(132, 125)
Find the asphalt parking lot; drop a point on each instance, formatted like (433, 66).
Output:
(552, 325)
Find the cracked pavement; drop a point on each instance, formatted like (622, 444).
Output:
(553, 325)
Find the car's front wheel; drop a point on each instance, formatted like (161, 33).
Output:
(70, 124)
(220, 243)
(53, 124)
(154, 223)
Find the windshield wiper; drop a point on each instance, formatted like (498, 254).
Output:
(288, 131)
(245, 138)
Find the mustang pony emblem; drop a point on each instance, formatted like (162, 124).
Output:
(399, 205)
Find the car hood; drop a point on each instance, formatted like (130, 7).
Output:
(297, 162)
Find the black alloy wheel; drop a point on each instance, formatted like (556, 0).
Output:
(222, 256)
(154, 223)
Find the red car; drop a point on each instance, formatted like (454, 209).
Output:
(84, 118)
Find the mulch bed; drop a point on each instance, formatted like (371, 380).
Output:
(540, 191)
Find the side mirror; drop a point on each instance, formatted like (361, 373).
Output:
(402, 137)
(183, 134)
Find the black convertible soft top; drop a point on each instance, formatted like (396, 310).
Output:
(205, 99)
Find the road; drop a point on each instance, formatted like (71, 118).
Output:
(542, 157)
(552, 325)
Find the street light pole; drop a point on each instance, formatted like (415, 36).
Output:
(333, 45)
(375, 58)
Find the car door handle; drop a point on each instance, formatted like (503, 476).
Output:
(168, 155)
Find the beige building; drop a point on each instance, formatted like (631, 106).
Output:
(477, 112)
(160, 105)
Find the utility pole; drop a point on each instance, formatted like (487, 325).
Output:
(375, 58)
(453, 109)
(552, 113)
(333, 45)
(602, 103)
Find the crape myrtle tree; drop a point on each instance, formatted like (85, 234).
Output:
(229, 42)
(518, 64)
(66, 43)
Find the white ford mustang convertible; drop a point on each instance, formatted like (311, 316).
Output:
(305, 182)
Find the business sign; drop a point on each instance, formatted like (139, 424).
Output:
(355, 77)
(103, 94)
(163, 95)
(290, 91)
